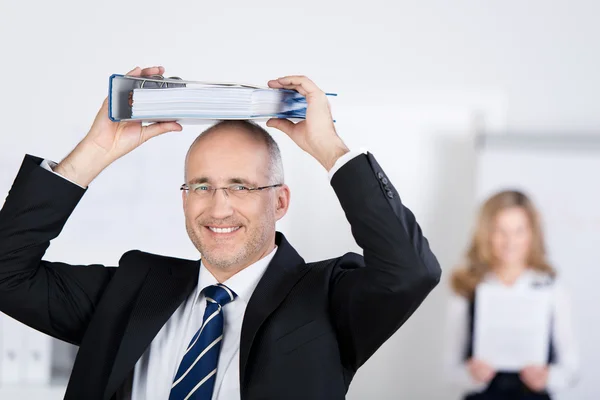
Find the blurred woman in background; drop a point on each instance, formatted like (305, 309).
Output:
(507, 249)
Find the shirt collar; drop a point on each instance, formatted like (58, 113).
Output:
(243, 283)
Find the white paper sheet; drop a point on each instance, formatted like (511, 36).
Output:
(512, 326)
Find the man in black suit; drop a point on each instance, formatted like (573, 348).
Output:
(250, 320)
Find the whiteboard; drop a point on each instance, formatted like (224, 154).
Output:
(561, 174)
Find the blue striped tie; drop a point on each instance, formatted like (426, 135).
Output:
(195, 378)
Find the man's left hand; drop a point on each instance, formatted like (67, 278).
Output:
(316, 135)
(535, 377)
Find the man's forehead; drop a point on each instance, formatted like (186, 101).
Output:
(227, 168)
(226, 136)
(227, 154)
(231, 159)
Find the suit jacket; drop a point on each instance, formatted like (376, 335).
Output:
(307, 329)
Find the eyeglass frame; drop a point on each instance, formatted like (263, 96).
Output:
(187, 187)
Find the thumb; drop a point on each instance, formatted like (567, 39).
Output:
(284, 125)
(159, 128)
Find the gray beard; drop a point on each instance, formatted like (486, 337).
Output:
(256, 242)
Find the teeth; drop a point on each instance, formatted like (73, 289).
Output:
(224, 230)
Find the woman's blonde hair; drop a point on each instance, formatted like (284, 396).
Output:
(479, 258)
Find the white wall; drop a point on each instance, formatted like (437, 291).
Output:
(527, 65)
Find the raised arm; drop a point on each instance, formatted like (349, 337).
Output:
(55, 298)
(371, 302)
(52, 297)
(368, 304)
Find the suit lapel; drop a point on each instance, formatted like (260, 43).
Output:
(163, 290)
(283, 272)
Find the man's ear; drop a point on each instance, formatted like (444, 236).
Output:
(282, 202)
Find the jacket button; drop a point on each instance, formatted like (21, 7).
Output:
(380, 175)
(390, 194)
(384, 181)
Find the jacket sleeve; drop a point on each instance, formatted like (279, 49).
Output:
(52, 297)
(372, 296)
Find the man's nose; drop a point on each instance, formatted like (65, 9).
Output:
(220, 204)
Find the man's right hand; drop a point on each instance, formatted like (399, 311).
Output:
(480, 371)
(107, 141)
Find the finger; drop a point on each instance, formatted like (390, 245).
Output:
(278, 85)
(301, 84)
(274, 84)
(298, 88)
(289, 83)
(299, 80)
(284, 125)
(319, 95)
(159, 128)
(153, 71)
(135, 72)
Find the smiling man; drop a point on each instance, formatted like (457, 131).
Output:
(251, 319)
(234, 228)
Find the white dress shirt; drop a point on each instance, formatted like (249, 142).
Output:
(562, 374)
(154, 371)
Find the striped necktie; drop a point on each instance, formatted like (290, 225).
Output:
(195, 378)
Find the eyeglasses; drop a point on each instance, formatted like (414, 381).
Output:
(204, 191)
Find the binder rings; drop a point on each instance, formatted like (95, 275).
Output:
(155, 98)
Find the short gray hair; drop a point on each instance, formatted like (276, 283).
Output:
(276, 174)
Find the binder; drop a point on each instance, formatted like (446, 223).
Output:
(156, 98)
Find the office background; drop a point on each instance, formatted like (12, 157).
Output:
(417, 81)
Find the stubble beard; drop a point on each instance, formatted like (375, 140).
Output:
(242, 254)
